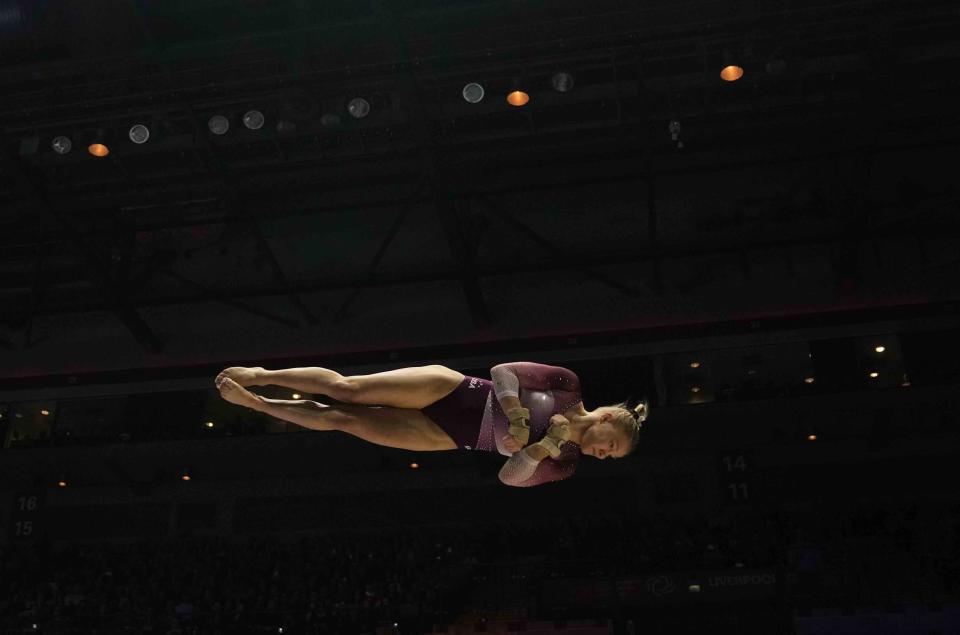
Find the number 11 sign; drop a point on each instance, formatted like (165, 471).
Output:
(736, 471)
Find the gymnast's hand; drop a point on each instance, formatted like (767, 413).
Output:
(519, 424)
(511, 443)
(559, 421)
(557, 435)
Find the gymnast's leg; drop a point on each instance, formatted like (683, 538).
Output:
(416, 387)
(407, 429)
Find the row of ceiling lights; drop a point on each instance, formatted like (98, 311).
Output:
(562, 82)
(139, 134)
(357, 107)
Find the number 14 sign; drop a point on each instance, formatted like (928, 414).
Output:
(736, 476)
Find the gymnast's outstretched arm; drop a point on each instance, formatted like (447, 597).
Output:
(522, 465)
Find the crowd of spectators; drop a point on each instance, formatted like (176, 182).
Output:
(875, 556)
(421, 578)
(318, 584)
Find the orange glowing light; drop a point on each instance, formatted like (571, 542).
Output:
(731, 73)
(185, 477)
(694, 364)
(62, 483)
(414, 466)
(518, 98)
(98, 150)
(811, 437)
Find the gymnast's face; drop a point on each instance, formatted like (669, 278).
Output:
(603, 440)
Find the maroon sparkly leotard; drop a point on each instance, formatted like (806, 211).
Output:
(544, 390)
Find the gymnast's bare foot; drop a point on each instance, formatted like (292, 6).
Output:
(237, 394)
(243, 376)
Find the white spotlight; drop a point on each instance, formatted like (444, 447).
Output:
(218, 124)
(473, 93)
(61, 144)
(253, 119)
(139, 134)
(358, 107)
(562, 82)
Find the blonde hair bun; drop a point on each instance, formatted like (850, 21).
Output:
(641, 411)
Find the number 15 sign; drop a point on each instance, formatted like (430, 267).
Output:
(25, 522)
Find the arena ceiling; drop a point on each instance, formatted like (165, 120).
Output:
(818, 187)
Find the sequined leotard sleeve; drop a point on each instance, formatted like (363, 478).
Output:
(545, 391)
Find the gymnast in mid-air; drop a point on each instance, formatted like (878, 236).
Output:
(531, 412)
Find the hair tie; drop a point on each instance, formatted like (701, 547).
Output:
(641, 411)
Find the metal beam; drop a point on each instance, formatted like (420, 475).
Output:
(211, 295)
(115, 299)
(221, 172)
(444, 198)
(36, 291)
(630, 257)
(372, 268)
(158, 262)
(647, 141)
(278, 275)
(595, 173)
(929, 220)
(553, 250)
(464, 253)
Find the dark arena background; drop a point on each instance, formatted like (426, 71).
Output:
(745, 212)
